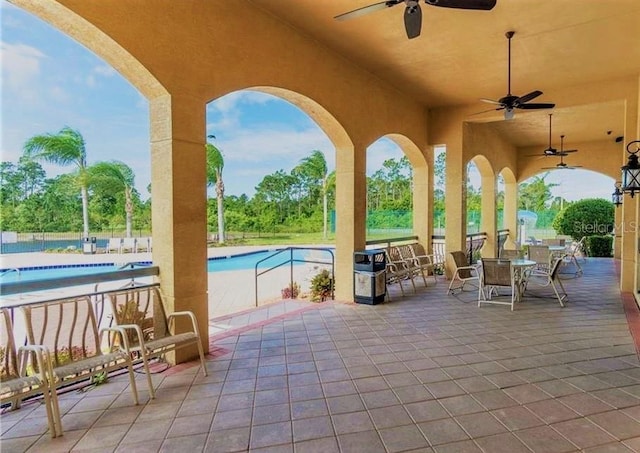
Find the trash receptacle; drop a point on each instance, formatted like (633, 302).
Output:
(369, 276)
(89, 246)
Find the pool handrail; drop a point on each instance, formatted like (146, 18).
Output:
(291, 261)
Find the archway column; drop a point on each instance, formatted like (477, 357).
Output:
(630, 253)
(351, 213)
(510, 213)
(488, 219)
(422, 209)
(178, 184)
(455, 202)
(617, 231)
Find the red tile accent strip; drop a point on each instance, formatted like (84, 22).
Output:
(633, 317)
(264, 322)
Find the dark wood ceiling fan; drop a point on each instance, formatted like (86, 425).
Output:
(413, 12)
(511, 102)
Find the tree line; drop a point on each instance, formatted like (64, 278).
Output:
(102, 196)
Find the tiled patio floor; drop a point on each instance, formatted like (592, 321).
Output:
(430, 373)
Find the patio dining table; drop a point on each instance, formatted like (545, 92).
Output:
(519, 275)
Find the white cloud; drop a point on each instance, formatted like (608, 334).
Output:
(104, 71)
(20, 69)
(58, 94)
(233, 101)
(252, 146)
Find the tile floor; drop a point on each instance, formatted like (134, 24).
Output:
(429, 373)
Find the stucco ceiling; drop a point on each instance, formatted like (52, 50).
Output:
(461, 56)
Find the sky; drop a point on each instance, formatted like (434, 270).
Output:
(49, 81)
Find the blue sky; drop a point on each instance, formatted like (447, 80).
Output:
(49, 81)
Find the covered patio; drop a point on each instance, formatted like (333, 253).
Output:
(427, 372)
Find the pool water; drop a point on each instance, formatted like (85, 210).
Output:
(217, 264)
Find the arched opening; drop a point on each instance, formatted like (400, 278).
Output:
(278, 176)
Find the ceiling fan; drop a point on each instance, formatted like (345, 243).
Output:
(562, 164)
(413, 13)
(551, 151)
(510, 102)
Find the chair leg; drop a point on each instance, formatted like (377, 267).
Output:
(201, 351)
(145, 363)
(132, 381)
(53, 416)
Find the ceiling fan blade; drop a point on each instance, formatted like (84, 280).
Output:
(491, 101)
(484, 5)
(529, 96)
(486, 111)
(413, 21)
(567, 151)
(367, 9)
(535, 106)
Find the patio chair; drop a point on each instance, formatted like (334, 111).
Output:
(114, 245)
(496, 273)
(397, 270)
(507, 254)
(416, 258)
(16, 384)
(549, 278)
(150, 332)
(540, 254)
(462, 272)
(426, 261)
(129, 245)
(554, 241)
(143, 244)
(575, 250)
(533, 240)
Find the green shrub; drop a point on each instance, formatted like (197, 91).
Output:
(321, 286)
(589, 217)
(599, 246)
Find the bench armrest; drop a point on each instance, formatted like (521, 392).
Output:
(43, 360)
(122, 330)
(188, 314)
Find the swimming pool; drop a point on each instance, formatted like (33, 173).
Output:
(245, 261)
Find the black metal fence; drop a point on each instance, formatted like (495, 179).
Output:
(43, 241)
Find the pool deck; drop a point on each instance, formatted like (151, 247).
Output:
(230, 292)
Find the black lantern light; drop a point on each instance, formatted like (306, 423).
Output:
(631, 171)
(616, 196)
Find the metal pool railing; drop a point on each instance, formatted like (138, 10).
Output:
(291, 262)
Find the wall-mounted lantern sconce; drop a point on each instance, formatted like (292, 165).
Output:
(631, 171)
(617, 195)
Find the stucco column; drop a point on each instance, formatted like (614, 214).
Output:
(351, 212)
(617, 231)
(422, 208)
(488, 218)
(510, 213)
(178, 184)
(455, 202)
(629, 252)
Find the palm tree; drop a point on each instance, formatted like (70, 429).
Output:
(215, 164)
(315, 166)
(67, 147)
(119, 176)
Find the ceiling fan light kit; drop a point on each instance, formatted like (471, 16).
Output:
(413, 12)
